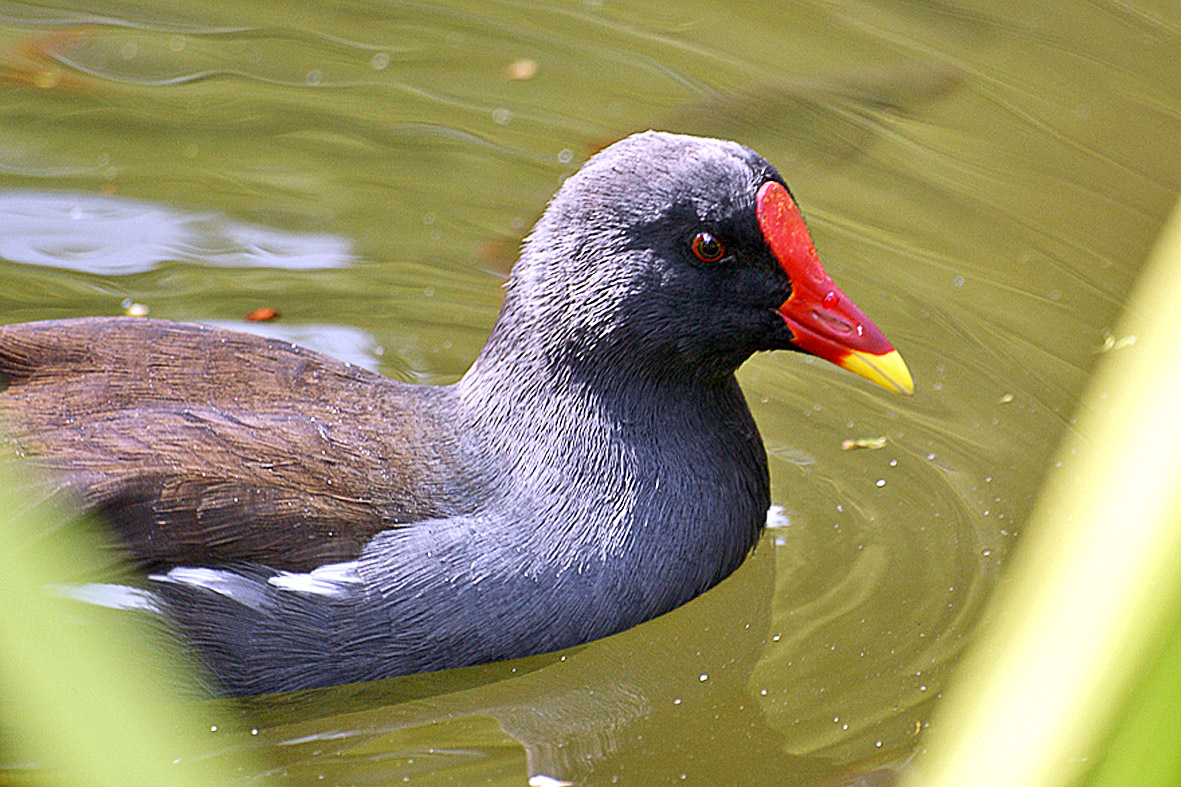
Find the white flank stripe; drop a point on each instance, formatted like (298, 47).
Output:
(111, 596)
(225, 583)
(333, 580)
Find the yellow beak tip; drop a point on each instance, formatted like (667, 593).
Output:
(887, 370)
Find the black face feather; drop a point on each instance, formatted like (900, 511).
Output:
(610, 268)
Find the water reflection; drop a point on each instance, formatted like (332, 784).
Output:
(682, 682)
(342, 342)
(116, 236)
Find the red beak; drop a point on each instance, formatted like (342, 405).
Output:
(825, 322)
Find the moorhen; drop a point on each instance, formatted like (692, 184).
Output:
(308, 523)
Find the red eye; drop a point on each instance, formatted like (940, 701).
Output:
(707, 248)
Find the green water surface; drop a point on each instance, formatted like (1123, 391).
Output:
(983, 178)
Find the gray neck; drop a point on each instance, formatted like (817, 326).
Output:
(631, 478)
(598, 522)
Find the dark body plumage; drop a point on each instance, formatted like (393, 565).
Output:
(596, 467)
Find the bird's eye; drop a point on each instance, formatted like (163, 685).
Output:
(707, 248)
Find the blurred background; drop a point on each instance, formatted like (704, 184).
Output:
(984, 179)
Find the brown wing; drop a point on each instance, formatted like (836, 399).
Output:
(202, 445)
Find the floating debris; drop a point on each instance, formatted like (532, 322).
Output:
(133, 309)
(520, 69)
(263, 314)
(871, 443)
(37, 61)
(1111, 343)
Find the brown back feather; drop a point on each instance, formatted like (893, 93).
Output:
(204, 446)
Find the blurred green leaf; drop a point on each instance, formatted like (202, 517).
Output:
(1080, 647)
(85, 698)
(1146, 748)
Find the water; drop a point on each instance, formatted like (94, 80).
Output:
(983, 179)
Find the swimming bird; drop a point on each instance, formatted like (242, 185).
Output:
(306, 523)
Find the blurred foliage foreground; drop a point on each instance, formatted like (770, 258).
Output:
(85, 697)
(1076, 678)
